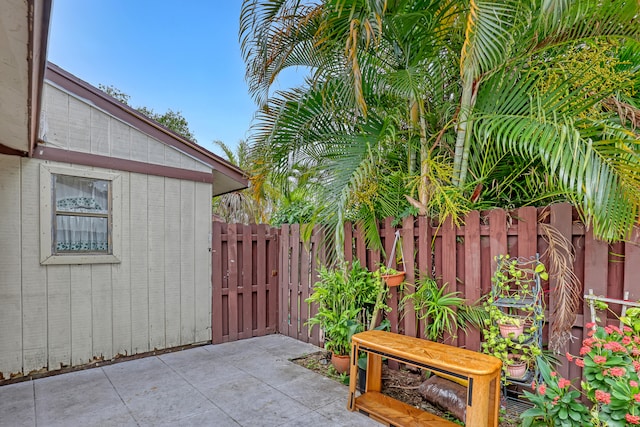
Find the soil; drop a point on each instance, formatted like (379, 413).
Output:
(400, 384)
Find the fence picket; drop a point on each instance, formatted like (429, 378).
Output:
(261, 267)
(472, 284)
(216, 282)
(408, 251)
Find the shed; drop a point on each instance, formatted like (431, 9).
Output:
(105, 237)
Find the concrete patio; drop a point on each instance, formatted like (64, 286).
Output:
(243, 383)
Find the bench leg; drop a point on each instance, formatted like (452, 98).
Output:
(353, 373)
(485, 404)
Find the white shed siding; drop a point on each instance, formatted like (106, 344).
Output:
(10, 267)
(158, 296)
(34, 300)
(73, 124)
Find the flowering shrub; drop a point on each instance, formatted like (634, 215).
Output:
(610, 358)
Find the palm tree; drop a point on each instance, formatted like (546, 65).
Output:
(244, 206)
(438, 99)
(509, 102)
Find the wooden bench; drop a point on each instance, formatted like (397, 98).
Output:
(479, 371)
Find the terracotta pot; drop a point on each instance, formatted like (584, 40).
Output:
(517, 369)
(507, 329)
(340, 362)
(394, 279)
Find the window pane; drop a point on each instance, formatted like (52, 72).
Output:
(81, 234)
(76, 194)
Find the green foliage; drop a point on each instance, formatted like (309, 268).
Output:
(610, 358)
(116, 93)
(555, 402)
(513, 281)
(440, 311)
(457, 105)
(244, 206)
(346, 298)
(172, 120)
(294, 212)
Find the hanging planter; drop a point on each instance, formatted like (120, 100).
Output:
(391, 276)
(393, 279)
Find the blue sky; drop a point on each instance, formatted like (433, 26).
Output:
(165, 54)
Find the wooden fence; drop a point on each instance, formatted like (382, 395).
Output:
(462, 257)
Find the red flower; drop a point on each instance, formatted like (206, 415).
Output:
(617, 371)
(636, 397)
(608, 329)
(591, 332)
(603, 397)
(615, 346)
(533, 385)
(627, 329)
(626, 340)
(632, 419)
(580, 363)
(636, 365)
(542, 389)
(563, 382)
(614, 328)
(554, 373)
(569, 357)
(599, 359)
(633, 383)
(590, 325)
(584, 350)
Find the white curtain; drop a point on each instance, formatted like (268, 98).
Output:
(81, 195)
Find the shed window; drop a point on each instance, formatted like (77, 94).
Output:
(82, 215)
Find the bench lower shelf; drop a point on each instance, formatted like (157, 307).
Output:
(395, 413)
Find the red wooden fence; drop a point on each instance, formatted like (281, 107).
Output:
(462, 257)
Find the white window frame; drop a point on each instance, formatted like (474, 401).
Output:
(47, 257)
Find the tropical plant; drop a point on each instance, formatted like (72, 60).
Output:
(244, 206)
(610, 359)
(347, 298)
(556, 402)
(441, 311)
(454, 104)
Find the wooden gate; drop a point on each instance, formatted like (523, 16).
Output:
(244, 281)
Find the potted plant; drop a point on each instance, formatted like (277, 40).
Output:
(515, 315)
(516, 354)
(391, 276)
(510, 324)
(346, 298)
(440, 311)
